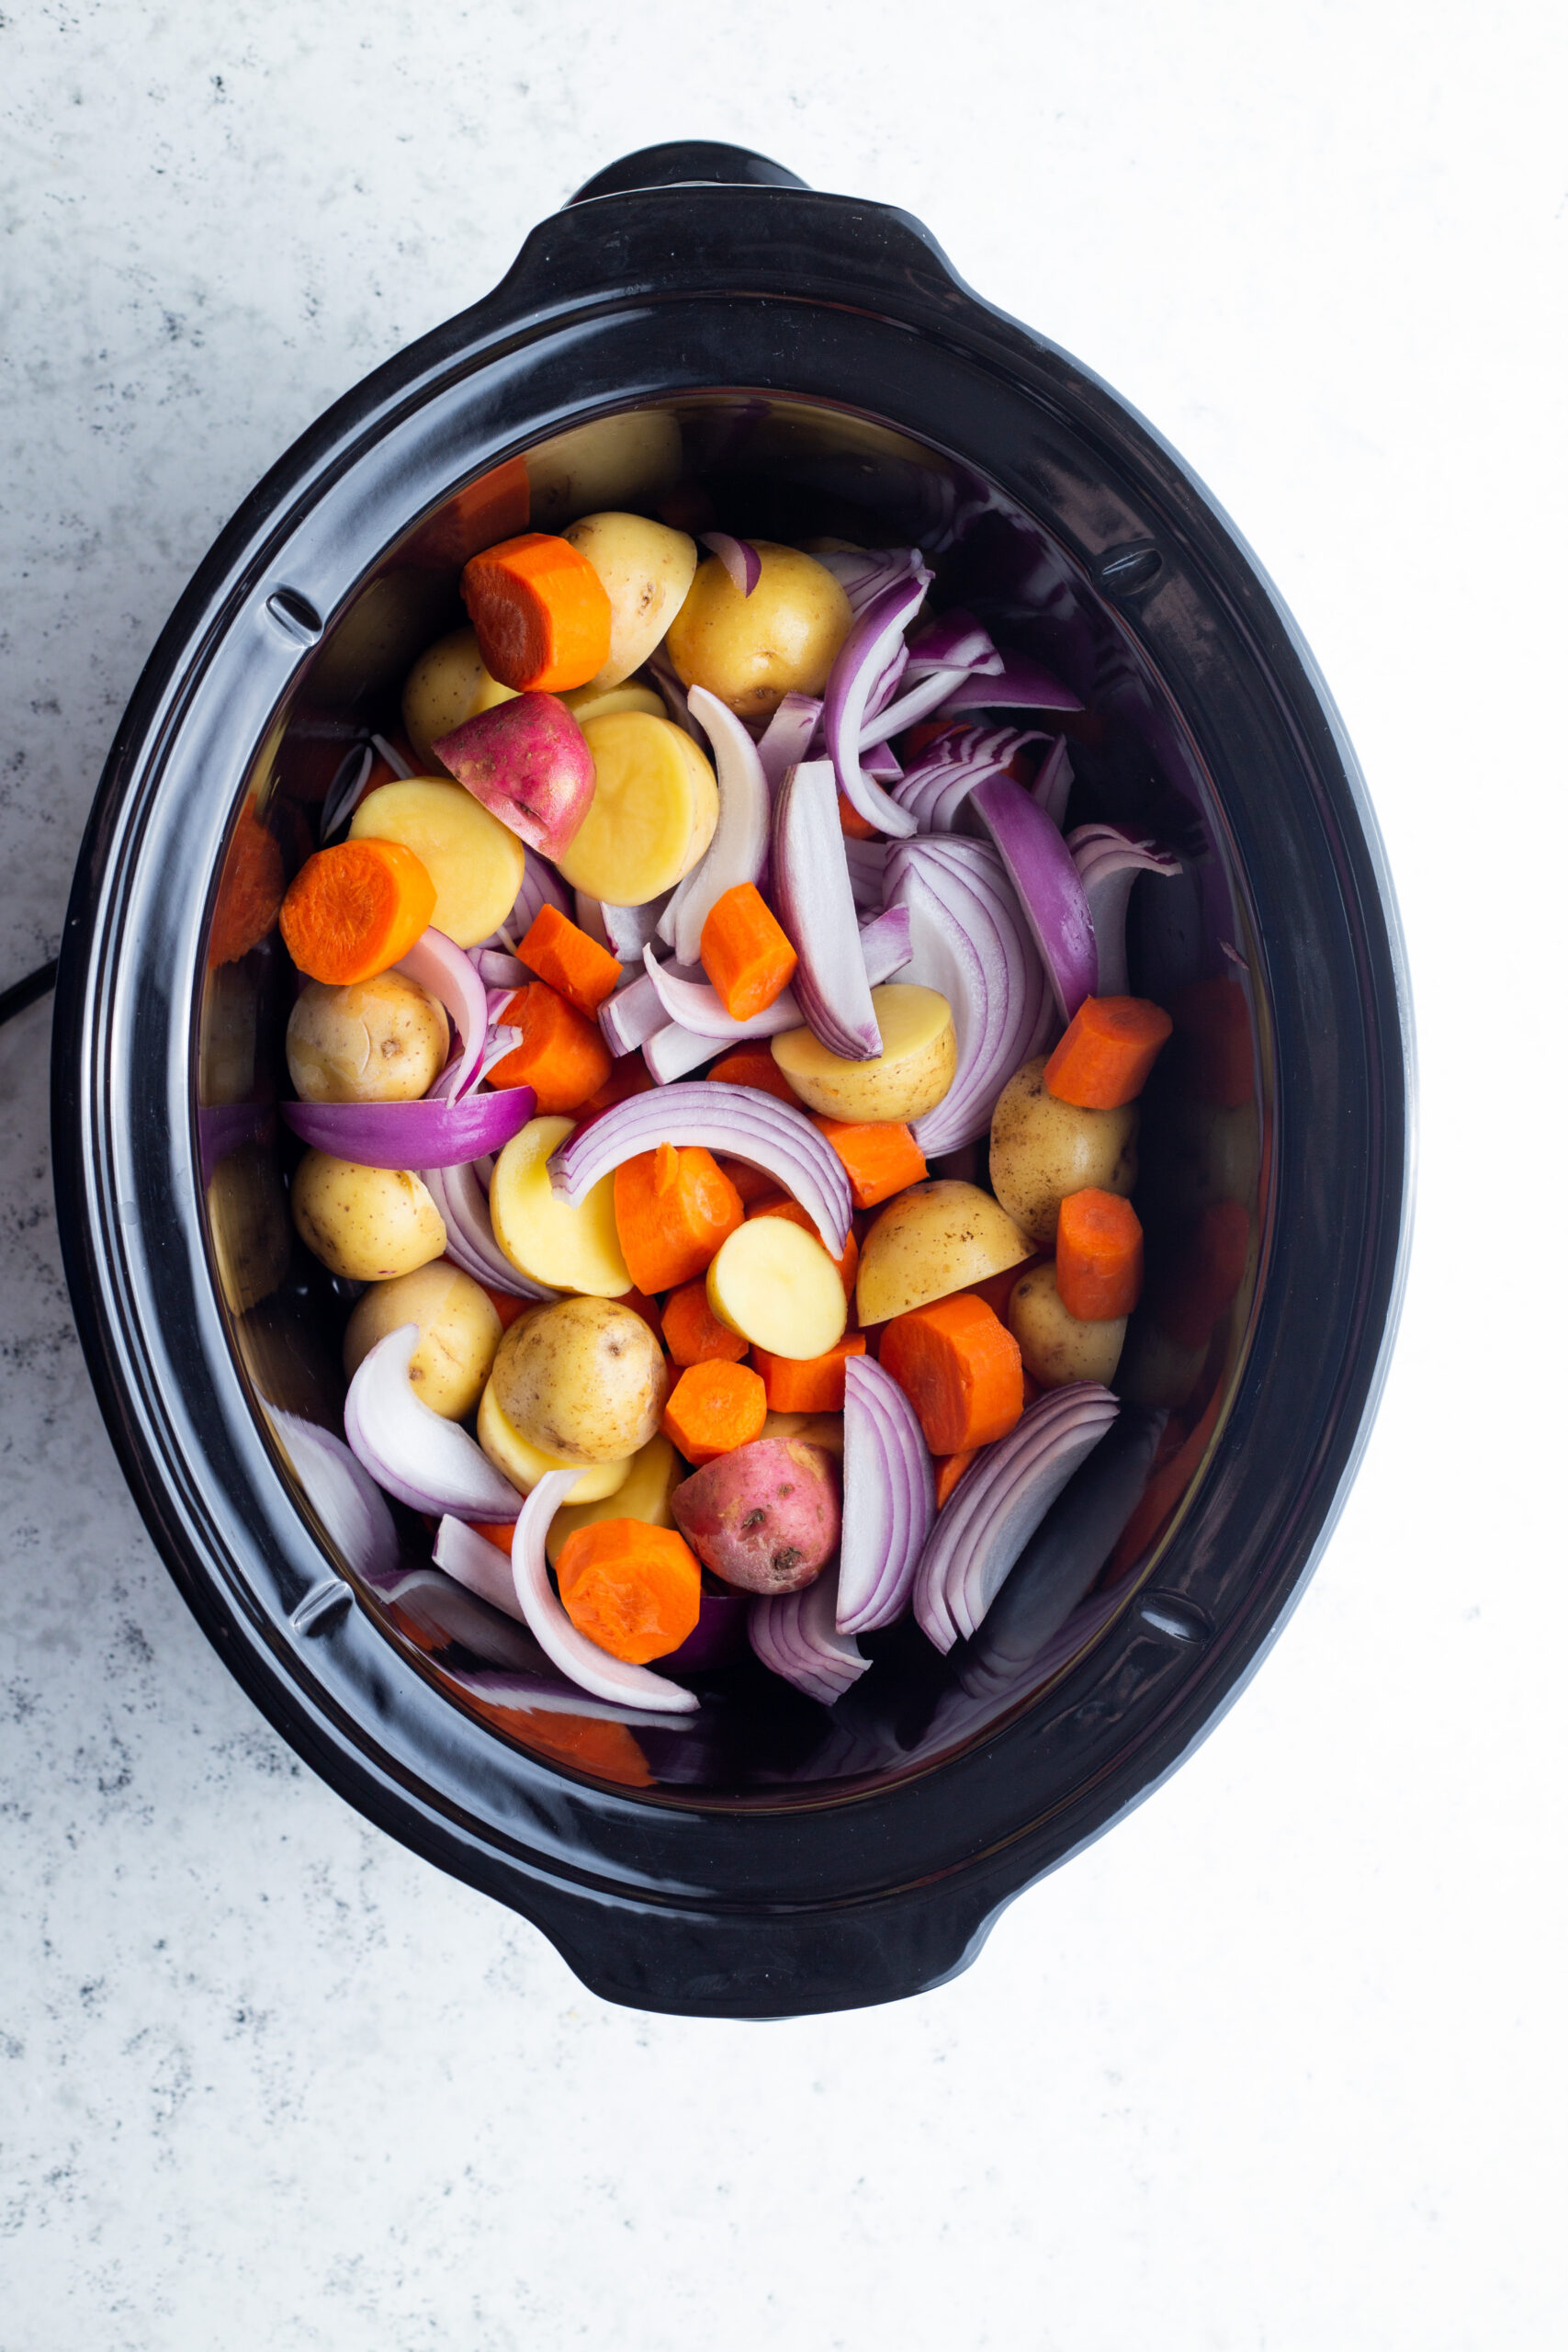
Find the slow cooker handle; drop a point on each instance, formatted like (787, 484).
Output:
(680, 161)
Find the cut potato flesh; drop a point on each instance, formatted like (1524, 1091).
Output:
(653, 812)
(933, 1240)
(826, 1430)
(909, 1078)
(475, 863)
(570, 1248)
(525, 1465)
(652, 1476)
(645, 568)
(607, 702)
(447, 686)
(777, 1286)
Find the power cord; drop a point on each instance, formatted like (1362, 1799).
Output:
(18, 997)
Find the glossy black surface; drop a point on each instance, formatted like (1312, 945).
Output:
(857, 1857)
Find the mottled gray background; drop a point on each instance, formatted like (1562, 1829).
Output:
(1275, 2065)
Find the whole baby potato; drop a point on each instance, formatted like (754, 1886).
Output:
(459, 1332)
(375, 1041)
(752, 650)
(447, 685)
(909, 1078)
(765, 1517)
(584, 1380)
(1042, 1149)
(367, 1224)
(1056, 1348)
(931, 1239)
(645, 568)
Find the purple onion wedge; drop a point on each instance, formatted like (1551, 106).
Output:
(1040, 866)
(815, 904)
(889, 1499)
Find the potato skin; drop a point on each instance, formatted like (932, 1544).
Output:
(584, 1380)
(765, 1517)
(646, 569)
(1055, 1347)
(367, 1224)
(1042, 1149)
(752, 650)
(376, 1041)
(930, 1240)
(909, 1076)
(447, 685)
(459, 1332)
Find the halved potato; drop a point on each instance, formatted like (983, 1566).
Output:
(474, 861)
(932, 1239)
(459, 1332)
(1056, 1348)
(777, 1286)
(604, 702)
(569, 1249)
(652, 1476)
(524, 1465)
(645, 568)
(447, 685)
(653, 812)
(909, 1076)
(1042, 1149)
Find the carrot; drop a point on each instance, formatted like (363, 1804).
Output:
(1213, 1035)
(540, 613)
(692, 1332)
(354, 911)
(1099, 1256)
(562, 1056)
(950, 1468)
(880, 1157)
(749, 1183)
(1105, 1054)
(250, 893)
(851, 824)
(1196, 1283)
(584, 972)
(628, 1076)
(745, 952)
(809, 1384)
(646, 1308)
(754, 1066)
(635, 1590)
(713, 1408)
(497, 1533)
(672, 1209)
(996, 1290)
(848, 1265)
(959, 1367)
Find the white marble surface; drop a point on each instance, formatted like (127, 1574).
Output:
(1276, 2065)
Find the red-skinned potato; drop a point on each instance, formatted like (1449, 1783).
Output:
(528, 763)
(765, 1517)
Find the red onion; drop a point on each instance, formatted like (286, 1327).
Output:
(719, 1638)
(542, 887)
(998, 1505)
(925, 696)
(344, 1497)
(738, 557)
(583, 1662)
(347, 786)
(936, 787)
(630, 1017)
(815, 905)
(954, 640)
(1109, 862)
(1046, 880)
(426, 1461)
(862, 659)
(459, 1198)
(679, 1045)
(867, 863)
(439, 967)
(889, 1499)
(662, 670)
(497, 969)
(393, 758)
(693, 1002)
(413, 1135)
(787, 737)
(1020, 684)
(627, 929)
(739, 850)
(589, 916)
(471, 1560)
(795, 1637)
(1055, 782)
(882, 763)
(864, 572)
(886, 944)
(740, 1121)
(222, 1128)
(673, 1052)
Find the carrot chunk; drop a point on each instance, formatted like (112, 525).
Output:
(562, 1056)
(880, 1157)
(692, 1332)
(628, 1076)
(354, 911)
(781, 1205)
(1099, 1256)
(672, 1209)
(635, 1590)
(745, 952)
(1194, 1285)
(754, 1066)
(250, 893)
(540, 613)
(748, 1181)
(950, 1468)
(713, 1408)
(809, 1384)
(584, 972)
(1104, 1056)
(1213, 1035)
(959, 1367)
(851, 824)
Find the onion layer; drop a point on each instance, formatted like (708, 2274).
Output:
(1019, 685)
(1109, 862)
(460, 1197)
(1040, 866)
(738, 557)
(439, 966)
(787, 737)
(795, 1635)
(340, 1491)
(583, 1662)
(863, 658)
(737, 852)
(427, 1462)
(815, 904)
(889, 1499)
(431, 1134)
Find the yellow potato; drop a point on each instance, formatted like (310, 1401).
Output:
(475, 863)
(653, 812)
(604, 702)
(375, 1041)
(615, 461)
(775, 1284)
(1055, 1347)
(909, 1076)
(459, 1332)
(569, 1249)
(826, 1430)
(651, 1477)
(645, 568)
(932, 1239)
(250, 1226)
(367, 1224)
(447, 685)
(1042, 1149)
(752, 650)
(524, 1465)
(584, 1380)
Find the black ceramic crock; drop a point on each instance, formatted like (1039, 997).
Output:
(824, 369)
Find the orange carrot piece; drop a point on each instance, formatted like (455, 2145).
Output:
(880, 1157)
(851, 824)
(562, 1056)
(809, 1384)
(635, 1590)
(584, 972)
(497, 1533)
(745, 952)
(250, 893)
(959, 1367)
(672, 1209)
(354, 911)
(1105, 1054)
(1099, 1256)
(1196, 1283)
(848, 1265)
(748, 1181)
(628, 1076)
(540, 613)
(996, 1290)
(692, 1332)
(713, 1408)
(754, 1066)
(1213, 1035)
(950, 1468)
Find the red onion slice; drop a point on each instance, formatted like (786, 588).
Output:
(738, 557)
(427, 1462)
(862, 659)
(662, 670)
(739, 850)
(889, 1499)
(438, 965)
(542, 887)
(347, 787)
(795, 1635)
(738, 1121)
(718, 1639)
(497, 969)
(673, 1052)
(627, 929)
(460, 1197)
(1046, 880)
(864, 572)
(1109, 862)
(1055, 782)
(344, 1497)
(954, 640)
(693, 1002)
(471, 1560)
(1020, 684)
(786, 739)
(815, 904)
(393, 757)
(583, 1662)
(413, 1135)
(882, 763)
(867, 863)
(629, 1018)
(677, 1047)
(936, 789)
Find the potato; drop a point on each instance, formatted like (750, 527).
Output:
(1042, 1149)
(1055, 1347)
(604, 702)
(566, 1248)
(645, 568)
(367, 1224)
(615, 461)
(654, 809)
(651, 1477)
(524, 1465)
(826, 1430)
(584, 1380)
(376, 1041)
(475, 863)
(250, 1226)
(764, 1518)
(909, 1076)
(933, 1239)
(752, 650)
(447, 685)
(459, 1332)
(776, 1285)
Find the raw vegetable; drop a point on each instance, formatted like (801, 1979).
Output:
(1020, 684)
(812, 1385)
(695, 1005)
(795, 1635)
(540, 613)
(584, 1380)
(738, 851)
(811, 890)
(713, 1408)
(582, 1660)
(950, 1469)
(365, 1224)
(778, 1288)
(1042, 1149)
(692, 1332)
(755, 1065)
(791, 1211)
(644, 569)
(634, 1589)
(464, 1208)
(826, 1430)
(459, 1333)
(880, 1157)
(250, 890)
(1041, 869)
(673, 1207)
(447, 685)
(738, 557)
(750, 651)
(570, 1247)
(936, 1237)
(523, 1464)
(437, 1133)
(584, 972)
(652, 1476)
(873, 641)
(653, 813)
(909, 1076)
(602, 702)
(1109, 863)
(474, 862)
(352, 912)
(560, 1055)
(1104, 1058)
(959, 1367)
(764, 1518)
(527, 761)
(889, 1499)
(745, 952)
(379, 1040)
(344, 1497)
(1058, 1349)
(1099, 1257)
(427, 1462)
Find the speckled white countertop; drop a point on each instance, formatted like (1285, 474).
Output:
(1275, 2065)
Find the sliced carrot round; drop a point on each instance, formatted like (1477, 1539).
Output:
(354, 911)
